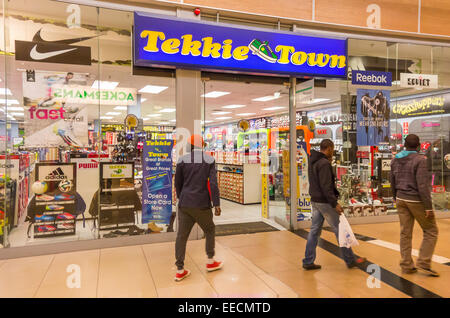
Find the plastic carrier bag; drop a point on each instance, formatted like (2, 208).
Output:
(346, 236)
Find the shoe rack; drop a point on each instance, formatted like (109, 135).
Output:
(240, 183)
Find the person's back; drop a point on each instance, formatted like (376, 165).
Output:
(411, 188)
(193, 172)
(411, 178)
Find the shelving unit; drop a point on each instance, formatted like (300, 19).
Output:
(240, 183)
(69, 207)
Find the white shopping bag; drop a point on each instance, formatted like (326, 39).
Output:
(346, 236)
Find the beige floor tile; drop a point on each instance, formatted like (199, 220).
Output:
(273, 263)
(124, 272)
(21, 277)
(182, 290)
(55, 284)
(279, 287)
(305, 285)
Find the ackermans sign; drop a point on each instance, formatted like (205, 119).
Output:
(167, 42)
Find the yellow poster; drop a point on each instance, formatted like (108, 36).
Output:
(264, 184)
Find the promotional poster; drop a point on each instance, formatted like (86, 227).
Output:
(372, 117)
(157, 181)
(53, 121)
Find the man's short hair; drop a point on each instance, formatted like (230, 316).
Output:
(412, 141)
(325, 144)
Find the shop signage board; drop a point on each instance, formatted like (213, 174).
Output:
(372, 78)
(117, 171)
(157, 181)
(418, 81)
(372, 117)
(421, 106)
(93, 95)
(167, 42)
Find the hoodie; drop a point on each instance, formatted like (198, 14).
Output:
(322, 182)
(410, 178)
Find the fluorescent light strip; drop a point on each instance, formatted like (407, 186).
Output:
(274, 108)
(104, 85)
(113, 113)
(167, 110)
(246, 114)
(153, 115)
(121, 108)
(8, 101)
(215, 94)
(15, 108)
(106, 117)
(17, 114)
(233, 106)
(220, 113)
(223, 118)
(2, 91)
(265, 98)
(153, 89)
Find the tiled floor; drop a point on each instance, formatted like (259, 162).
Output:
(256, 265)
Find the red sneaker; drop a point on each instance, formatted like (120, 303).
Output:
(214, 266)
(180, 277)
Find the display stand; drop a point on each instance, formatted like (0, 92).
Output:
(63, 206)
(239, 183)
(118, 197)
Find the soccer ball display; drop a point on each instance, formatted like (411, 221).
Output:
(39, 187)
(65, 186)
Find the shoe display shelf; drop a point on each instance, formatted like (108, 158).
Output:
(57, 226)
(7, 203)
(118, 199)
(240, 183)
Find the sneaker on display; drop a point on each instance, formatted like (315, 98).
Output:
(46, 228)
(43, 218)
(64, 197)
(65, 216)
(45, 197)
(54, 207)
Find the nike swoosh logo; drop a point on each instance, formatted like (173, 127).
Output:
(38, 38)
(35, 55)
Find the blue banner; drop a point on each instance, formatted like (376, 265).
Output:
(373, 112)
(169, 42)
(157, 181)
(372, 78)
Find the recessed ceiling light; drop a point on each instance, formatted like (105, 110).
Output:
(223, 118)
(233, 106)
(220, 113)
(104, 85)
(121, 108)
(15, 108)
(164, 123)
(265, 98)
(246, 114)
(167, 110)
(8, 101)
(207, 121)
(106, 117)
(154, 115)
(215, 94)
(274, 108)
(152, 89)
(113, 113)
(5, 91)
(143, 100)
(317, 100)
(173, 120)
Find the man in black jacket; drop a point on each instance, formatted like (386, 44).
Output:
(324, 195)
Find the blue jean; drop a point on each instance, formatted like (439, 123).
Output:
(321, 212)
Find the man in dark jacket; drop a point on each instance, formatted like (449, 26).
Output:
(196, 186)
(411, 185)
(324, 203)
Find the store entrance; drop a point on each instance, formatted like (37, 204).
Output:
(246, 130)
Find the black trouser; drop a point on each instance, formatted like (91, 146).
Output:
(186, 219)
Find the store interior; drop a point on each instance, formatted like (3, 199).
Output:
(245, 125)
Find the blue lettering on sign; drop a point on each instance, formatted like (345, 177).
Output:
(167, 42)
(372, 78)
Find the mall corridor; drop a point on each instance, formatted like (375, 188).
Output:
(256, 265)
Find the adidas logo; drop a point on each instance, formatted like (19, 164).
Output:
(56, 174)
